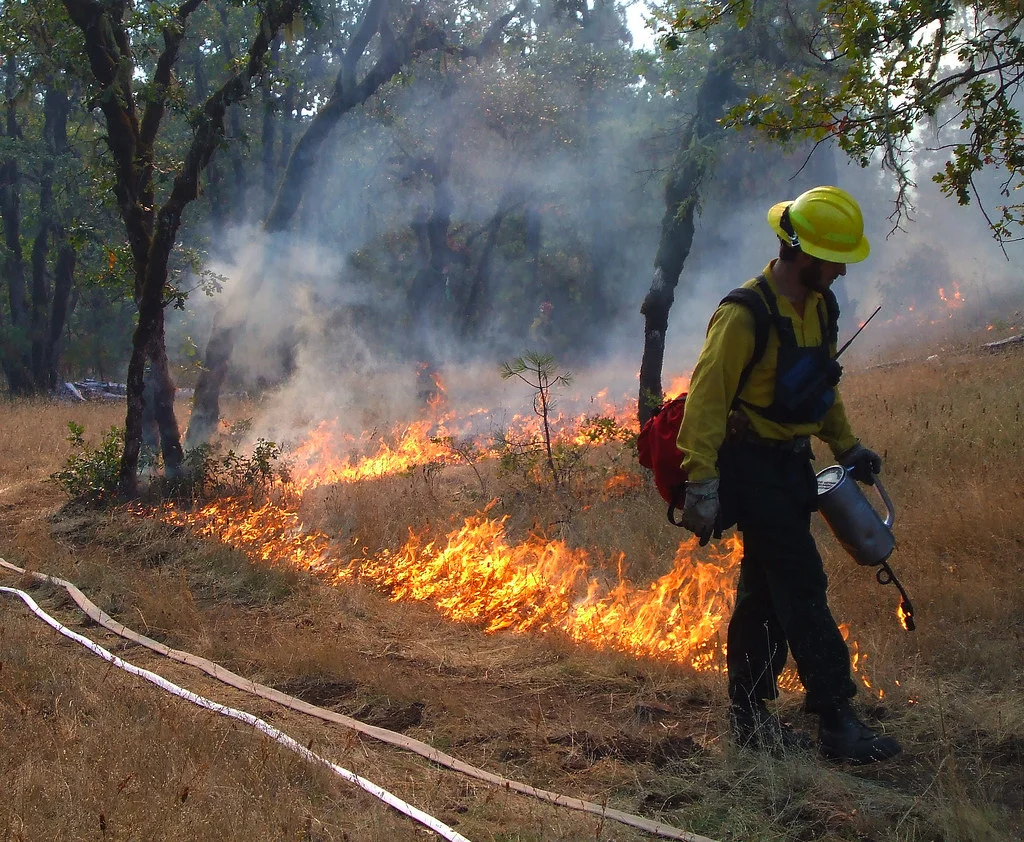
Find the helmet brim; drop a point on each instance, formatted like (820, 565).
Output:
(853, 254)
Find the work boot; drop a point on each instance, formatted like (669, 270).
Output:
(842, 736)
(756, 727)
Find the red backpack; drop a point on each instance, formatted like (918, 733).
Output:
(656, 446)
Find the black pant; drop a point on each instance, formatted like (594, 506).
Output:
(781, 604)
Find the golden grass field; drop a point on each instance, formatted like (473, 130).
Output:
(92, 753)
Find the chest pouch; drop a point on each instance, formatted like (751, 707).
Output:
(805, 384)
(805, 377)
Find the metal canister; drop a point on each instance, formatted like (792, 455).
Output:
(854, 521)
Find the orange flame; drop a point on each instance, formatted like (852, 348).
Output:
(477, 574)
(953, 301)
(903, 616)
(313, 463)
(677, 386)
(857, 659)
(370, 455)
(271, 533)
(622, 484)
(547, 586)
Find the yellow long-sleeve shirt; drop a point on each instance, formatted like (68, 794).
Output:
(728, 348)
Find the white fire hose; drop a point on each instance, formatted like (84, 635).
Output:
(400, 740)
(439, 827)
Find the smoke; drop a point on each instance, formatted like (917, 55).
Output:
(941, 269)
(518, 207)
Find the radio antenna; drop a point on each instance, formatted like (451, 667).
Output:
(848, 341)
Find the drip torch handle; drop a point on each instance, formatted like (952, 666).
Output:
(890, 516)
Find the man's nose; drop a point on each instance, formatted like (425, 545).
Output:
(841, 269)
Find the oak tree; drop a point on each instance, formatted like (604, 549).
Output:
(919, 82)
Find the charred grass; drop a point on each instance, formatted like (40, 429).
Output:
(91, 753)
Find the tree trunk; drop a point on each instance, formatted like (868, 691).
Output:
(67, 258)
(40, 283)
(268, 148)
(206, 401)
(17, 361)
(286, 119)
(429, 286)
(63, 282)
(148, 345)
(151, 232)
(215, 190)
(127, 476)
(47, 306)
(475, 300)
(233, 192)
(682, 197)
(163, 409)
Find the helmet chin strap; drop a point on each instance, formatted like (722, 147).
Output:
(786, 224)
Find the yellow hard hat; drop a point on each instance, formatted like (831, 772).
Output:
(825, 222)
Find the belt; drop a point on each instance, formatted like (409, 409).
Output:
(798, 445)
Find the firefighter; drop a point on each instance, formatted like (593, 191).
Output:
(748, 458)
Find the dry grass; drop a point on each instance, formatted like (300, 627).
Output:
(34, 440)
(93, 754)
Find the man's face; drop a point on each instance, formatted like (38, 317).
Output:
(817, 274)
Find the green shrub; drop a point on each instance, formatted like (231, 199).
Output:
(210, 473)
(91, 473)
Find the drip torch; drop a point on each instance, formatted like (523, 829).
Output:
(854, 521)
(860, 529)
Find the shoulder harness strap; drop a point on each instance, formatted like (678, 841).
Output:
(762, 321)
(832, 315)
(829, 318)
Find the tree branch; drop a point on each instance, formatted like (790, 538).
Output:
(494, 32)
(376, 14)
(162, 76)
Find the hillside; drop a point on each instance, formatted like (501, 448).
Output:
(554, 635)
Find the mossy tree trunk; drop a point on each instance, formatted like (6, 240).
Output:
(152, 230)
(693, 164)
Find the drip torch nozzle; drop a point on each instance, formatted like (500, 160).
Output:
(905, 612)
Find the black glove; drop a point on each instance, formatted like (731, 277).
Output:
(862, 463)
(700, 509)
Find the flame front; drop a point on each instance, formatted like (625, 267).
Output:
(316, 462)
(271, 533)
(477, 574)
(678, 385)
(543, 585)
(314, 465)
